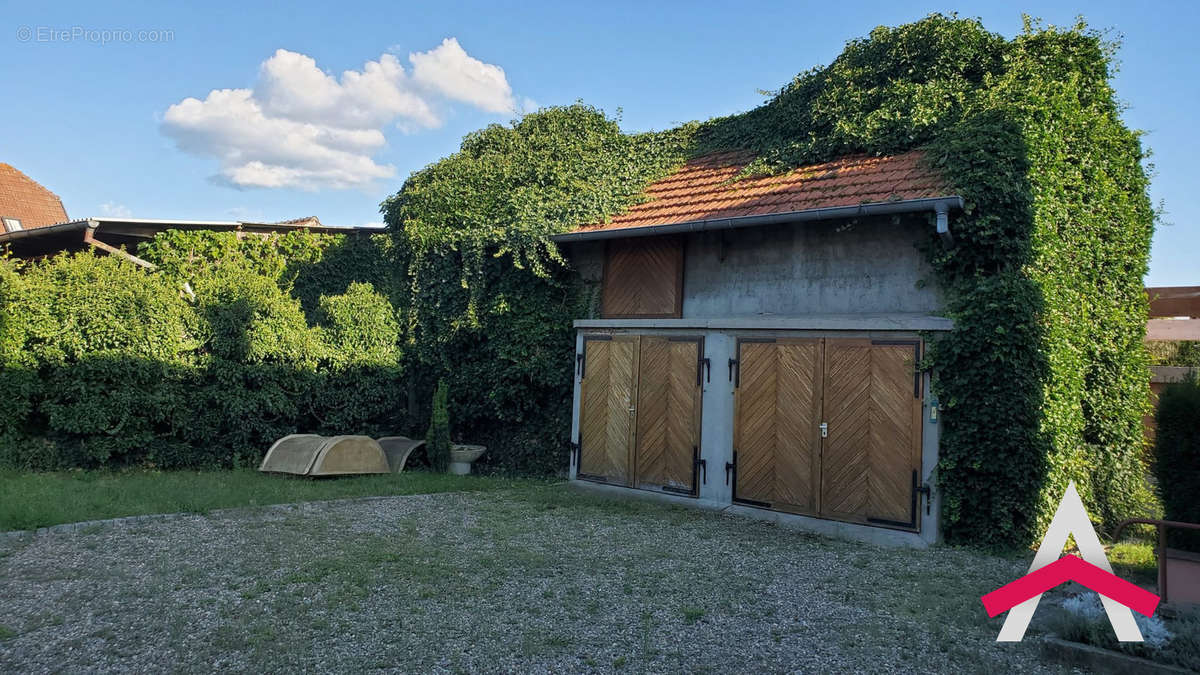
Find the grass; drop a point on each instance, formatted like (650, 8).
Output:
(1135, 561)
(33, 500)
(537, 578)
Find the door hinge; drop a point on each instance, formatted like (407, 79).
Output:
(730, 467)
(706, 365)
(701, 465)
(927, 492)
(579, 365)
(732, 364)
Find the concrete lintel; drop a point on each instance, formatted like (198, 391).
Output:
(1167, 330)
(861, 322)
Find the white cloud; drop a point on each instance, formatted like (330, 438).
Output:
(115, 210)
(450, 71)
(304, 128)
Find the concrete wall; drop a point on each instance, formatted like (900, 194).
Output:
(865, 279)
(809, 268)
(798, 269)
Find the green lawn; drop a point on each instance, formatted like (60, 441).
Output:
(32, 500)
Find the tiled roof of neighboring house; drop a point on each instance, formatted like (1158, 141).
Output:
(23, 198)
(703, 189)
(307, 221)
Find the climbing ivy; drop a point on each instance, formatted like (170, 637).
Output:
(1044, 378)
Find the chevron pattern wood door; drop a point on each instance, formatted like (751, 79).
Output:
(844, 465)
(895, 433)
(668, 413)
(873, 412)
(606, 419)
(777, 423)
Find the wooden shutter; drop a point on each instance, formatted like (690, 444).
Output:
(777, 423)
(668, 413)
(643, 277)
(605, 418)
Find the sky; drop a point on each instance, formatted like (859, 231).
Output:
(241, 111)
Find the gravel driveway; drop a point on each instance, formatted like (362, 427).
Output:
(541, 579)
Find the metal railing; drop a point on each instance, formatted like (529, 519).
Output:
(1161, 526)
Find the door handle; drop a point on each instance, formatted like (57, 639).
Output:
(824, 430)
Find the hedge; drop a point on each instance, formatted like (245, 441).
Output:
(1177, 457)
(105, 364)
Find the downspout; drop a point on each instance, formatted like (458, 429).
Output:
(89, 238)
(942, 209)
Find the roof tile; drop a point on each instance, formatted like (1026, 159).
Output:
(703, 188)
(23, 198)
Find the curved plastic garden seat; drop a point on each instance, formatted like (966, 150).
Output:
(397, 449)
(312, 455)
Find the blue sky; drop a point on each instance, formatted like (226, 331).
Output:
(94, 122)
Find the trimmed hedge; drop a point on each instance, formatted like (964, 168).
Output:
(1177, 457)
(105, 364)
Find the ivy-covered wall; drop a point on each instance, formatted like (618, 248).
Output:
(1044, 379)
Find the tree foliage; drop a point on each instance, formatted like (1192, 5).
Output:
(437, 438)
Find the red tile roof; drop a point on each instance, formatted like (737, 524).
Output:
(23, 198)
(703, 189)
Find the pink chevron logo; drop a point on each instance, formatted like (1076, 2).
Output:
(1070, 568)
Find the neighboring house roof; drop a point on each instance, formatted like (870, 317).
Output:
(705, 189)
(80, 234)
(25, 199)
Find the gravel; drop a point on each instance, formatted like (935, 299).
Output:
(540, 579)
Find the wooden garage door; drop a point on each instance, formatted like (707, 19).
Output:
(606, 407)
(777, 423)
(867, 393)
(895, 457)
(873, 449)
(639, 416)
(668, 413)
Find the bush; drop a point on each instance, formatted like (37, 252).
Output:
(204, 362)
(437, 439)
(1177, 457)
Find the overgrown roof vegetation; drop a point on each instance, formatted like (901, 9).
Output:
(1044, 379)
